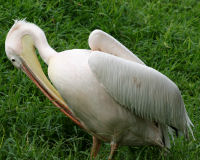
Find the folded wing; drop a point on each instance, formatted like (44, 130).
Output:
(141, 90)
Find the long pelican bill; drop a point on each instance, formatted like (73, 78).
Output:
(32, 68)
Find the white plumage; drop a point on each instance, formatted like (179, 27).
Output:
(143, 90)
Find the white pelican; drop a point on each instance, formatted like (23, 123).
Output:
(110, 92)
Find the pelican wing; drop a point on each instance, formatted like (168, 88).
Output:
(102, 41)
(141, 89)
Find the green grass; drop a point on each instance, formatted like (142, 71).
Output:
(164, 34)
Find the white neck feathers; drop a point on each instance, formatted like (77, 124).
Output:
(22, 28)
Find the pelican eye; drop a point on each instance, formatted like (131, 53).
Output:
(13, 60)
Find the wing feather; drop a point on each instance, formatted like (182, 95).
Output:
(141, 89)
(102, 41)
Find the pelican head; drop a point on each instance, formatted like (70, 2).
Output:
(20, 44)
(20, 50)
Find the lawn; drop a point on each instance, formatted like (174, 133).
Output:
(164, 34)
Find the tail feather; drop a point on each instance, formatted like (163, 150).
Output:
(165, 135)
(189, 124)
